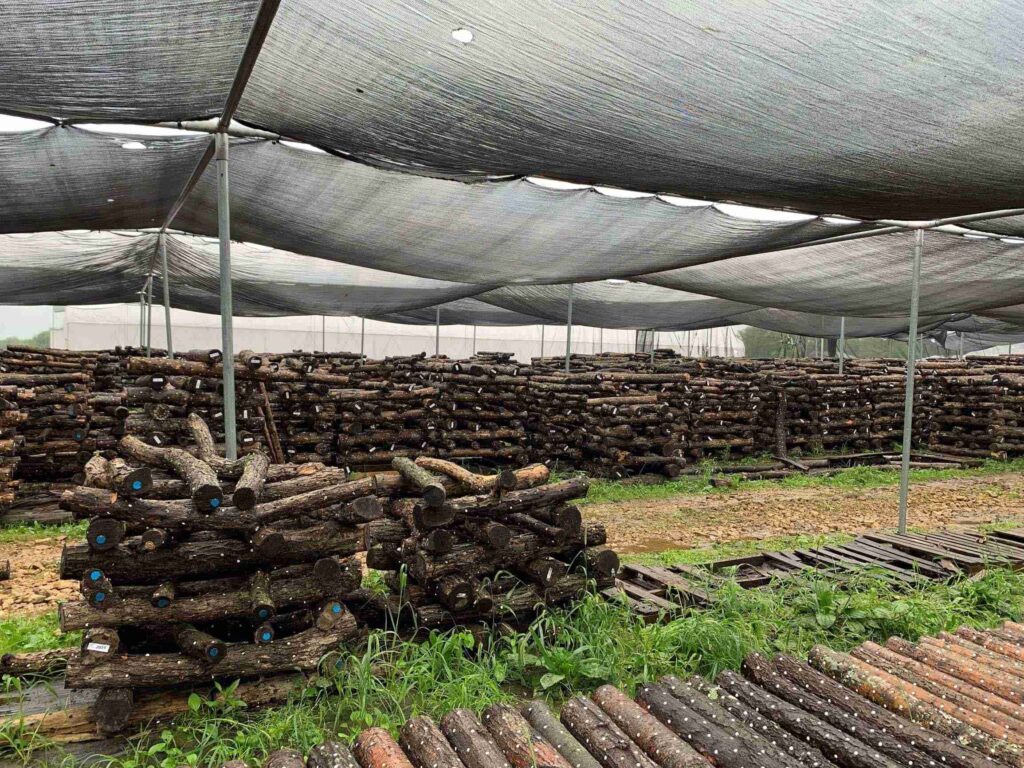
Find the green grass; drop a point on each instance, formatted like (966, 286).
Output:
(571, 651)
(854, 478)
(35, 633)
(33, 531)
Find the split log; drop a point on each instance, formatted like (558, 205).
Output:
(661, 745)
(302, 651)
(521, 744)
(426, 746)
(374, 748)
(595, 730)
(330, 754)
(547, 725)
(472, 743)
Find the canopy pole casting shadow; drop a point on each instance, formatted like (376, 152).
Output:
(908, 397)
(568, 329)
(226, 329)
(162, 244)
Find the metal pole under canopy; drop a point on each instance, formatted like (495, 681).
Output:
(226, 327)
(167, 293)
(142, 318)
(908, 398)
(149, 317)
(542, 341)
(437, 333)
(474, 340)
(842, 343)
(568, 329)
(362, 337)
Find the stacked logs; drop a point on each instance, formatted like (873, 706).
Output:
(10, 417)
(953, 700)
(197, 567)
(512, 543)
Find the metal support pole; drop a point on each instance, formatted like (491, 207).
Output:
(600, 340)
(654, 343)
(167, 294)
(142, 317)
(437, 333)
(474, 340)
(149, 317)
(542, 341)
(960, 354)
(842, 343)
(323, 333)
(362, 337)
(568, 330)
(908, 398)
(226, 308)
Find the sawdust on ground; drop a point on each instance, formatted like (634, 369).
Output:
(686, 521)
(33, 587)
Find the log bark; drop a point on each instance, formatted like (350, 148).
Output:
(724, 747)
(199, 645)
(605, 740)
(302, 651)
(431, 489)
(113, 709)
(547, 725)
(426, 746)
(661, 745)
(471, 481)
(284, 758)
(201, 478)
(41, 663)
(473, 744)
(520, 743)
(374, 748)
(330, 754)
(249, 488)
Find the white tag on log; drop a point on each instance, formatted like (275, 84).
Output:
(98, 647)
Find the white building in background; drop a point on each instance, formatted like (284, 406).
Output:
(110, 325)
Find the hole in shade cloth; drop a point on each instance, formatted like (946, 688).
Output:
(616, 281)
(462, 35)
(133, 145)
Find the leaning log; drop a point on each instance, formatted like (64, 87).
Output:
(473, 744)
(249, 487)
(376, 749)
(661, 745)
(547, 725)
(426, 746)
(596, 731)
(520, 743)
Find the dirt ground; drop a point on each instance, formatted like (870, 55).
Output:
(693, 521)
(650, 526)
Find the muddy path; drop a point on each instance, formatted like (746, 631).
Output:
(688, 521)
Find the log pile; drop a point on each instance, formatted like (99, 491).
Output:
(468, 547)
(197, 568)
(952, 700)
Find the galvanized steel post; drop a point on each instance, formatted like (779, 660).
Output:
(908, 397)
(568, 329)
(167, 294)
(842, 343)
(226, 304)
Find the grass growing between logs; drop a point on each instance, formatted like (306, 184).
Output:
(571, 651)
(854, 478)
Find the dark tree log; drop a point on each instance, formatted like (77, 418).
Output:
(284, 758)
(261, 602)
(202, 480)
(504, 480)
(426, 746)
(547, 725)
(264, 633)
(661, 745)
(455, 593)
(162, 597)
(249, 487)
(42, 663)
(520, 501)
(104, 534)
(759, 670)
(153, 538)
(431, 489)
(100, 644)
(605, 740)
(302, 651)
(374, 748)
(330, 754)
(211, 605)
(728, 749)
(521, 744)
(112, 709)
(878, 718)
(473, 744)
(199, 645)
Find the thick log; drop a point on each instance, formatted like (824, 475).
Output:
(431, 489)
(199, 645)
(727, 748)
(330, 754)
(113, 709)
(374, 748)
(99, 644)
(105, 533)
(472, 743)
(249, 487)
(605, 740)
(547, 725)
(302, 651)
(201, 478)
(520, 501)
(426, 746)
(890, 743)
(284, 758)
(41, 663)
(661, 745)
(520, 743)
(878, 719)
(471, 481)
(261, 602)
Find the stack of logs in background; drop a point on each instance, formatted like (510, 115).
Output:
(611, 415)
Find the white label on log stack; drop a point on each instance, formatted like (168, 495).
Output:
(98, 647)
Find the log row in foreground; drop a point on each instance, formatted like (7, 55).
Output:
(955, 700)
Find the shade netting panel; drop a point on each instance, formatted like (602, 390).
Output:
(461, 312)
(121, 60)
(822, 105)
(866, 277)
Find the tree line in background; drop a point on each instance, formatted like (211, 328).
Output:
(41, 339)
(762, 343)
